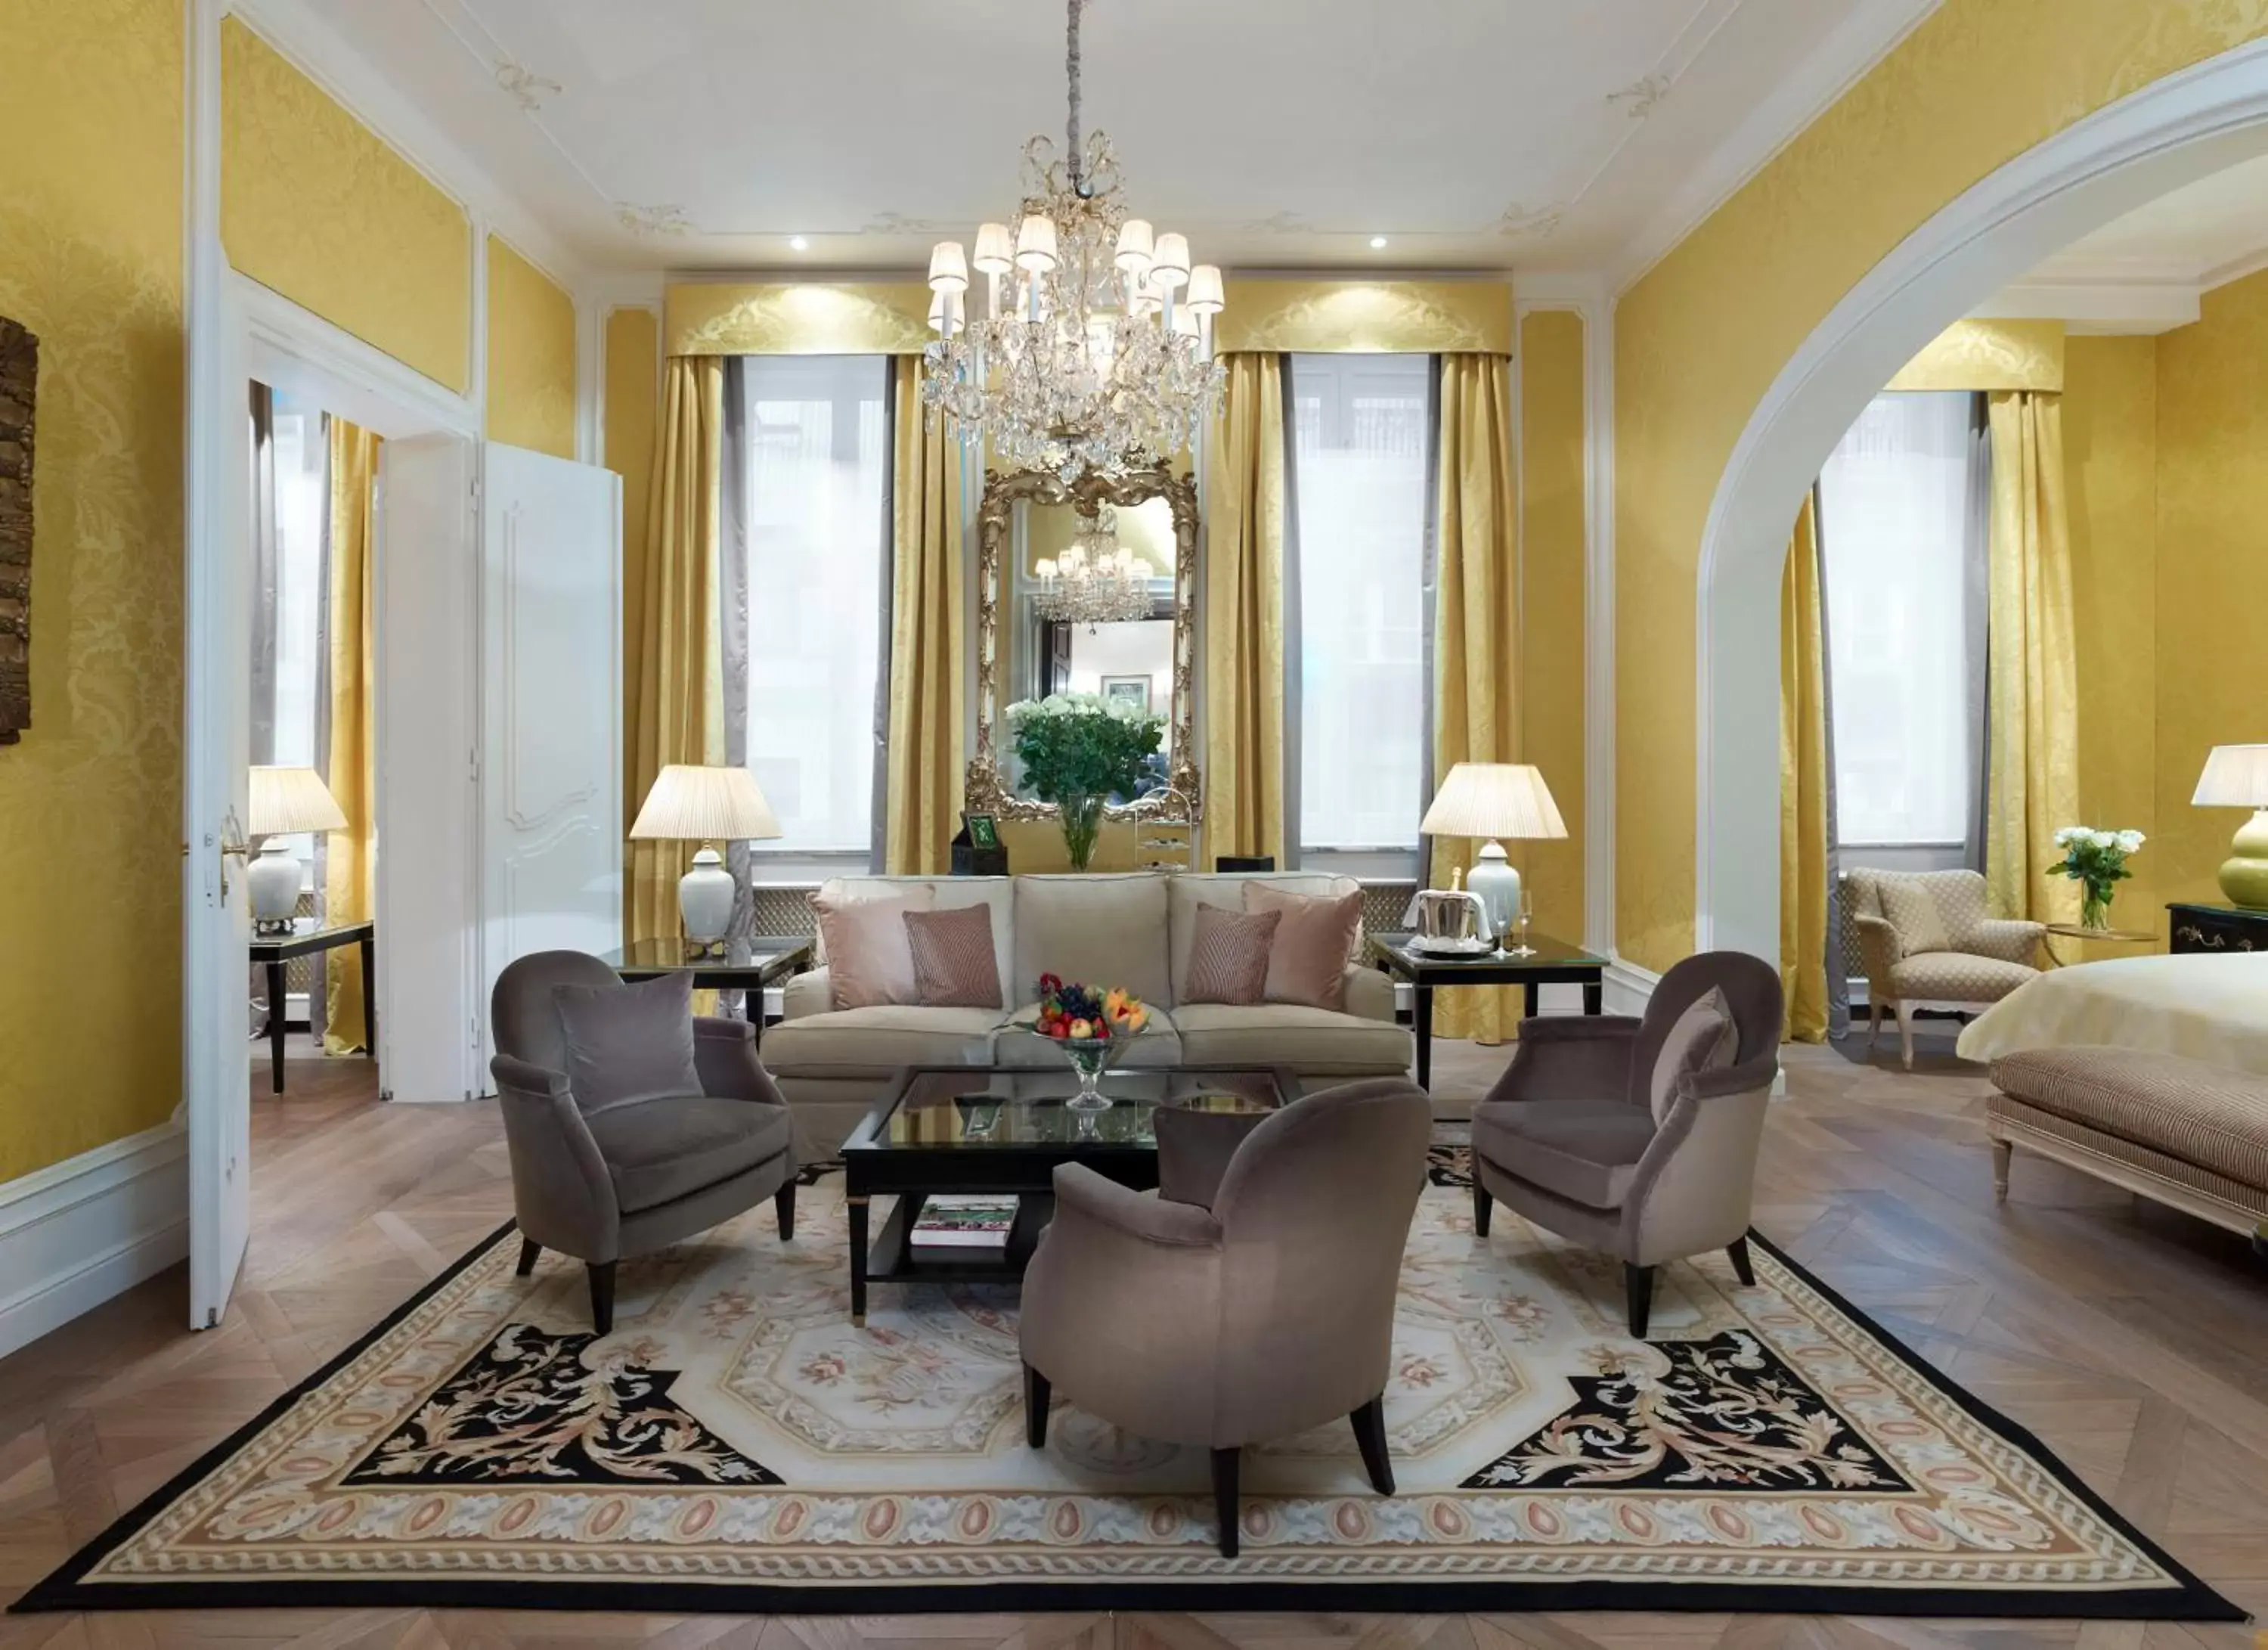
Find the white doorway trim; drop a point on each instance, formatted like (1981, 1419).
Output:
(2171, 133)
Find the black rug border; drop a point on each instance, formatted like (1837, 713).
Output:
(65, 1590)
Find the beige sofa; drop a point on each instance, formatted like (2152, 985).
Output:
(1132, 929)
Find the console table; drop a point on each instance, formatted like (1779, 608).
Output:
(1551, 962)
(2216, 928)
(275, 950)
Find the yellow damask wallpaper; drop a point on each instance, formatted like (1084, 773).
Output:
(316, 205)
(1551, 576)
(1700, 338)
(91, 121)
(630, 394)
(531, 399)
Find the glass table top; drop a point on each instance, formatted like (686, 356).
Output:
(976, 1109)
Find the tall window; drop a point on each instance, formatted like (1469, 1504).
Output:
(302, 460)
(1360, 440)
(1898, 548)
(815, 490)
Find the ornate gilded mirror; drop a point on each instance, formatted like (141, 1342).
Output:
(1032, 529)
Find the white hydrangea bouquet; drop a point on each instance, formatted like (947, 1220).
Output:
(2096, 860)
(1076, 749)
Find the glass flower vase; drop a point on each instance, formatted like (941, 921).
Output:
(1082, 824)
(2094, 908)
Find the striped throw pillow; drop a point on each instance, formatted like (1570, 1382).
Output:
(1228, 955)
(954, 962)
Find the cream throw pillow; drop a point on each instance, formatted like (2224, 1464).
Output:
(869, 960)
(1313, 944)
(1912, 910)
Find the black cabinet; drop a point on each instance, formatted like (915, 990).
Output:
(2217, 928)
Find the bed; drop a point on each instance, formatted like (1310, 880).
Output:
(2206, 1008)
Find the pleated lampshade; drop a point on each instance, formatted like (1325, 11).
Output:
(1489, 800)
(288, 800)
(2235, 776)
(691, 803)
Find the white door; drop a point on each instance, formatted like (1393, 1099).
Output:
(551, 754)
(217, 1006)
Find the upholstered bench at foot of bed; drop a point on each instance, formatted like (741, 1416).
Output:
(2186, 1133)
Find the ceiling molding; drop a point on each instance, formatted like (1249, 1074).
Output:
(2100, 307)
(1779, 117)
(2236, 269)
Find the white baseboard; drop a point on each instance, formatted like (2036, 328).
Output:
(76, 1232)
(1629, 986)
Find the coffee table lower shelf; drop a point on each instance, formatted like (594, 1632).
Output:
(894, 1259)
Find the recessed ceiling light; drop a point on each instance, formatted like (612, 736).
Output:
(1377, 242)
(798, 243)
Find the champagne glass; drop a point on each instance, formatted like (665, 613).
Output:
(1521, 917)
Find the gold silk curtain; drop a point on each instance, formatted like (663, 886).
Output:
(673, 667)
(1476, 627)
(1803, 871)
(350, 857)
(1244, 612)
(924, 758)
(2032, 786)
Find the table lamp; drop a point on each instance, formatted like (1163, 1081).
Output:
(285, 801)
(1492, 799)
(2236, 775)
(691, 803)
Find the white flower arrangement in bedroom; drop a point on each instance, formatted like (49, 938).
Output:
(2096, 860)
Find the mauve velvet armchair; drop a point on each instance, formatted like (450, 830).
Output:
(1252, 1298)
(601, 1183)
(1583, 1137)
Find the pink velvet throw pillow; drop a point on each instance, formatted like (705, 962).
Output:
(1313, 946)
(869, 960)
(954, 962)
(1228, 956)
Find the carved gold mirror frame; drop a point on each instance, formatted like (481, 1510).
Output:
(986, 788)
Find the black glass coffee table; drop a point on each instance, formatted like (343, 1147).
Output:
(1003, 1130)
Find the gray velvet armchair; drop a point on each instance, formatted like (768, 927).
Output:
(1252, 1298)
(1638, 1137)
(601, 1182)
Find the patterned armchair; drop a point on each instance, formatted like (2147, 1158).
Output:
(1927, 943)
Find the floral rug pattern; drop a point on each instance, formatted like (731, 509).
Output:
(736, 1443)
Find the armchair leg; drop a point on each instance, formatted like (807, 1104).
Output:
(1874, 1025)
(1905, 1033)
(1369, 1438)
(1741, 1268)
(602, 1296)
(529, 1248)
(2002, 1151)
(1483, 1204)
(784, 1206)
(1637, 1286)
(1225, 1464)
(1037, 1394)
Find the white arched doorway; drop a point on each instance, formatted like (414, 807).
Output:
(2171, 133)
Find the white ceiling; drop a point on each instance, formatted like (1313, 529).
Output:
(693, 134)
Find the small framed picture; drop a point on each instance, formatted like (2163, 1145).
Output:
(1134, 690)
(984, 830)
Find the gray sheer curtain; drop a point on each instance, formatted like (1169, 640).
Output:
(732, 624)
(1976, 593)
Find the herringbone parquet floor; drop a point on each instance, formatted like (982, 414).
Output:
(2133, 1340)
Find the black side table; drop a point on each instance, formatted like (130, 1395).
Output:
(275, 950)
(1551, 962)
(2216, 928)
(745, 965)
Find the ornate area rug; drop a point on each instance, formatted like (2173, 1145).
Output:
(737, 1444)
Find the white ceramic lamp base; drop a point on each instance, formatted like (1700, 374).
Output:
(705, 897)
(1497, 886)
(273, 881)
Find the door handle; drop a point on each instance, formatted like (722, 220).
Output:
(232, 841)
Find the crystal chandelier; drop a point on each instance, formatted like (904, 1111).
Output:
(1094, 351)
(1097, 580)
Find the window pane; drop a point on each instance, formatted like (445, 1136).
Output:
(817, 453)
(1361, 441)
(1894, 541)
(301, 455)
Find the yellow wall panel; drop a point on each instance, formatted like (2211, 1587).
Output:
(317, 206)
(2213, 569)
(2110, 475)
(531, 392)
(1551, 579)
(632, 390)
(1700, 338)
(91, 121)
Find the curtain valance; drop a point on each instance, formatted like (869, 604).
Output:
(1990, 357)
(796, 318)
(1367, 317)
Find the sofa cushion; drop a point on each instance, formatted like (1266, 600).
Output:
(946, 893)
(1186, 893)
(953, 965)
(1307, 1040)
(2210, 1116)
(1586, 1151)
(1097, 930)
(873, 1042)
(1015, 1045)
(869, 958)
(1314, 943)
(658, 1151)
(1228, 959)
(1912, 906)
(1957, 977)
(627, 1043)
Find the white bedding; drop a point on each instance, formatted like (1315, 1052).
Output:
(2211, 1007)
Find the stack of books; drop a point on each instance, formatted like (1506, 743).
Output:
(970, 1220)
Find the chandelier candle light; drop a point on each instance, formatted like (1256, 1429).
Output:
(1096, 581)
(1094, 351)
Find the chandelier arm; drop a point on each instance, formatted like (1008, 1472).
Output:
(1071, 70)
